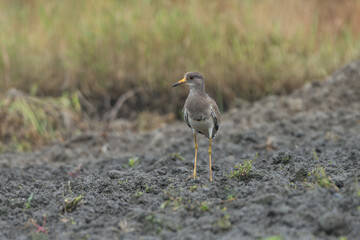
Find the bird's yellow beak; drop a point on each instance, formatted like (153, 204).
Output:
(182, 81)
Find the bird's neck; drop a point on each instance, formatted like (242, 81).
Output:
(199, 90)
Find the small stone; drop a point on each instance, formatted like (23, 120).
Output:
(215, 167)
(283, 157)
(236, 137)
(161, 172)
(251, 137)
(299, 134)
(332, 222)
(300, 175)
(114, 174)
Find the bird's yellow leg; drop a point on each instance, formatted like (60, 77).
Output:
(210, 159)
(196, 149)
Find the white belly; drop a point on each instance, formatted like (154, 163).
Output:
(204, 126)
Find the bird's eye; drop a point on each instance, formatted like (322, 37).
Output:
(191, 77)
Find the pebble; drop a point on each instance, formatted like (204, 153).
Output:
(332, 222)
(114, 174)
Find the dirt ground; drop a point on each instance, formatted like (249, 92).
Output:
(304, 181)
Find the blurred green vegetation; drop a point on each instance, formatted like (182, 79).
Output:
(28, 122)
(103, 49)
(245, 48)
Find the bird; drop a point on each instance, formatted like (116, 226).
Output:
(201, 113)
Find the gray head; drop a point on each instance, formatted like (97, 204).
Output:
(194, 80)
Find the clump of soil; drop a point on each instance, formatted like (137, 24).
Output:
(304, 151)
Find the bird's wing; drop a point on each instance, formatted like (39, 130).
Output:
(215, 113)
(186, 116)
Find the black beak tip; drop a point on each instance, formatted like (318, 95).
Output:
(175, 85)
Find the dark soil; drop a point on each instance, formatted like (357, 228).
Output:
(304, 184)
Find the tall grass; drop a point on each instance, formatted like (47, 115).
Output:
(103, 48)
(28, 122)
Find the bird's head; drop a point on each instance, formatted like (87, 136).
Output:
(194, 80)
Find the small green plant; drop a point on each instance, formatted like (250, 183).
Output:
(331, 136)
(292, 185)
(286, 159)
(138, 194)
(28, 203)
(132, 162)
(148, 189)
(357, 188)
(122, 181)
(230, 197)
(69, 187)
(153, 223)
(177, 156)
(204, 206)
(243, 170)
(272, 238)
(224, 222)
(321, 179)
(174, 202)
(70, 204)
(193, 188)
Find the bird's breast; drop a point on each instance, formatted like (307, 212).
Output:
(203, 126)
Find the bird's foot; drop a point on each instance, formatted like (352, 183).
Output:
(192, 177)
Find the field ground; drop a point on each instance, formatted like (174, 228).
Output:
(298, 178)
